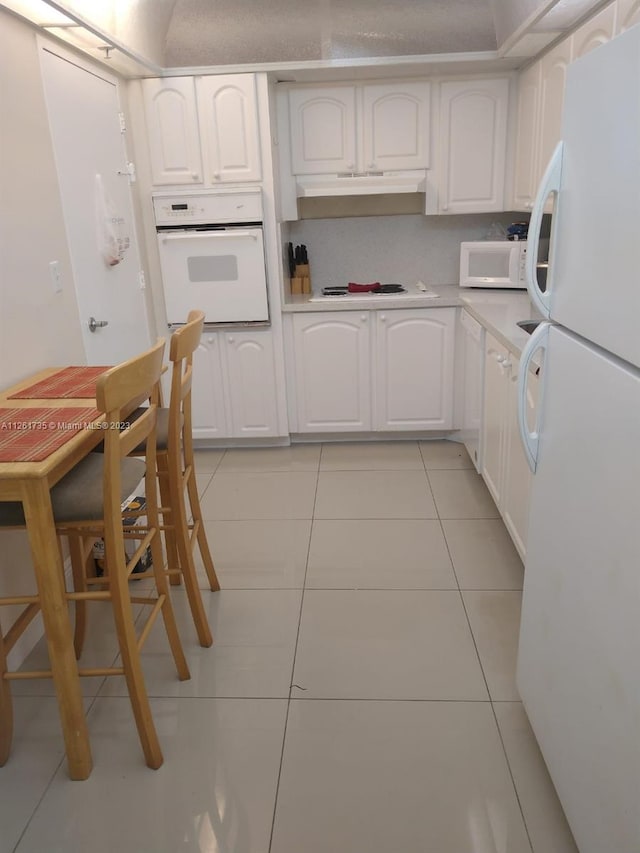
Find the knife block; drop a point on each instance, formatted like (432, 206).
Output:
(302, 273)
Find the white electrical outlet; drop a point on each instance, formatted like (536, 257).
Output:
(56, 276)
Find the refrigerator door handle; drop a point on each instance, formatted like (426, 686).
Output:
(550, 184)
(537, 341)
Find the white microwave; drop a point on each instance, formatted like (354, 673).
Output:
(489, 263)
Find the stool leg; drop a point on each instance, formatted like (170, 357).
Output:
(6, 708)
(169, 534)
(196, 514)
(128, 642)
(76, 552)
(185, 554)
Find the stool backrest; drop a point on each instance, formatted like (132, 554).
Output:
(184, 342)
(118, 392)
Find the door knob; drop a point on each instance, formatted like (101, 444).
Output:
(96, 324)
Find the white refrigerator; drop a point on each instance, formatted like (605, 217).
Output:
(579, 654)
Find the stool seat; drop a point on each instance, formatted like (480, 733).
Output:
(79, 494)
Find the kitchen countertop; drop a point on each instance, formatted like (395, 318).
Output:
(496, 310)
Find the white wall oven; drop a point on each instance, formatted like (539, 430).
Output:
(212, 256)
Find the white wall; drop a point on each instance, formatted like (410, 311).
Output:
(37, 327)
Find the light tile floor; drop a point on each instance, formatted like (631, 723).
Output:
(360, 694)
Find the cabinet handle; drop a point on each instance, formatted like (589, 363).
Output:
(350, 166)
(216, 176)
(231, 340)
(194, 176)
(383, 318)
(505, 364)
(211, 340)
(445, 207)
(372, 165)
(363, 318)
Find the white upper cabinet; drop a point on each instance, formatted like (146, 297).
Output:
(323, 130)
(396, 126)
(628, 14)
(526, 162)
(359, 128)
(596, 31)
(473, 138)
(172, 127)
(553, 73)
(228, 111)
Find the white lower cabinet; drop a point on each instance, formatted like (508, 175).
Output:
(504, 466)
(356, 371)
(414, 369)
(332, 370)
(235, 392)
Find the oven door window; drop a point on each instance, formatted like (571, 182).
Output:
(212, 268)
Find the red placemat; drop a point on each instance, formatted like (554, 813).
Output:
(68, 382)
(30, 435)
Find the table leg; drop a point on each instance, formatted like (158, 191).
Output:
(49, 576)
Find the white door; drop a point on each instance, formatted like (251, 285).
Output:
(252, 383)
(172, 128)
(526, 168)
(396, 125)
(228, 115)
(578, 663)
(333, 371)
(414, 369)
(323, 130)
(207, 393)
(473, 118)
(89, 151)
(552, 84)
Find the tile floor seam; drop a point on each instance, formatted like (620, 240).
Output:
(513, 781)
(293, 663)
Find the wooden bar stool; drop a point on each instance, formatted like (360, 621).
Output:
(87, 503)
(176, 475)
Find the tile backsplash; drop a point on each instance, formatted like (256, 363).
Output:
(402, 249)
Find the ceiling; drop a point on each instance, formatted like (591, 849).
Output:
(302, 37)
(221, 32)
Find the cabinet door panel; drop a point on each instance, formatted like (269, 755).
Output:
(396, 126)
(173, 132)
(526, 165)
(596, 31)
(553, 78)
(518, 477)
(323, 130)
(207, 395)
(628, 14)
(229, 121)
(414, 369)
(494, 417)
(474, 139)
(332, 371)
(252, 385)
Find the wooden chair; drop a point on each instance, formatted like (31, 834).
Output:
(87, 503)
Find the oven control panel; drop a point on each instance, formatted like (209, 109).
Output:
(208, 208)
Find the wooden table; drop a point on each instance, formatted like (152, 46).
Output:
(31, 482)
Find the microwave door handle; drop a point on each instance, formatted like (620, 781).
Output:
(550, 184)
(514, 264)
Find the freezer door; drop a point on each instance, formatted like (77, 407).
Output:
(579, 655)
(594, 268)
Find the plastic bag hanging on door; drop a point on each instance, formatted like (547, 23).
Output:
(113, 236)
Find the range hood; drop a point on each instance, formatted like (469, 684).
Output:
(366, 183)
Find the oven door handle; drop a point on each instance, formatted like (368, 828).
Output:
(208, 235)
